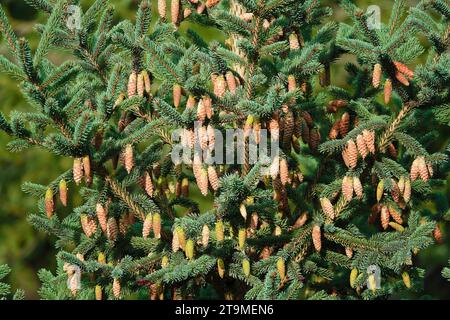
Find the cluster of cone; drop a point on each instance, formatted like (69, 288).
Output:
(402, 73)
(177, 14)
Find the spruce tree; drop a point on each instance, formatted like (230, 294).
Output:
(344, 198)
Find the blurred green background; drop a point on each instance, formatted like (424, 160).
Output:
(27, 250)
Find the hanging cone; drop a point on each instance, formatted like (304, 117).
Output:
(102, 216)
(384, 217)
(347, 188)
(111, 229)
(257, 131)
(213, 178)
(274, 168)
(243, 211)
(220, 86)
(205, 236)
(219, 231)
(292, 83)
(140, 85)
(63, 192)
(98, 292)
(380, 190)
(387, 91)
(288, 130)
(369, 139)
(345, 157)
(327, 207)
(175, 11)
(414, 173)
(211, 3)
(189, 249)
(406, 279)
(156, 225)
(404, 69)
(281, 267)
(186, 13)
(148, 184)
(220, 267)
(316, 236)
(231, 81)
(423, 169)
(77, 170)
(242, 235)
(357, 187)
(437, 234)
(395, 215)
(147, 82)
(176, 95)
(353, 276)
(293, 42)
(352, 153)
(284, 171)
(87, 169)
(301, 220)
(147, 226)
(254, 220)
(128, 158)
(349, 252)
(207, 102)
(361, 145)
(314, 140)
(175, 241)
(402, 79)
(185, 187)
(246, 267)
(181, 237)
(407, 191)
(162, 8)
(49, 203)
(116, 288)
(376, 78)
(334, 132)
(344, 124)
(201, 111)
(132, 84)
(202, 181)
(191, 102)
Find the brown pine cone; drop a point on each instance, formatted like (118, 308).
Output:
(402, 79)
(369, 138)
(202, 181)
(314, 140)
(284, 171)
(147, 226)
(344, 124)
(384, 217)
(334, 132)
(132, 84)
(175, 11)
(407, 191)
(77, 170)
(220, 86)
(111, 229)
(423, 169)
(352, 153)
(357, 186)
(376, 78)
(63, 192)
(102, 216)
(327, 208)
(437, 234)
(175, 241)
(316, 236)
(148, 184)
(140, 85)
(116, 288)
(414, 173)
(213, 178)
(349, 252)
(205, 236)
(404, 69)
(207, 102)
(361, 145)
(392, 151)
(201, 111)
(231, 81)
(176, 95)
(387, 91)
(147, 82)
(156, 223)
(162, 8)
(87, 170)
(347, 188)
(293, 42)
(395, 215)
(128, 158)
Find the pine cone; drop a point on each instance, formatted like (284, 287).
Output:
(140, 85)
(207, 102)
(98, 293)
(254, 220)
(334, 132)
(344, 124)
(437, 234)
(162, 8)
(191, 102)
(111, 229)
(102, 216)
(147, 227)
(211, 3)
(116, 288)
(77, 170)
(257, 131)
(369, 138)
(384, 217)
(392, 151)
(281, 267)
(148, 184)
(49, 203)
(87, 169)
(376, 79)
(176, 95)
(402, 79)
(293, 42)
(423, 169)
(211, 137)
(186, 13)
(156, 225)
(132, 84)
(361, 145)
(213, 178)
(347, 188)
(414, 173)
(349, 252)
(288, 130)
(201, 111)
(220, 267)
(395, 215)
(316, 236)
(185, 187)
(189, 249)
(314, 140)
(219, 231)
(202, 181)
(205, 236)
(201, 8)
(407, 191)
(231, 81)
(345, 157)
(147, 82)
(175, 241)
(352, 153)
(246, 267)
(243, 211)
(357, 187)
(220, 86)
(292, 83)
(284, 171)
(327, 207)
(380, 190)
(301, 220)
(63, 192)
(242, 235)
(128, 158)
(387, 91)
(404, 69)
(175, 11)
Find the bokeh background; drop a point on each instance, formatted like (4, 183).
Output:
(27, 250)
